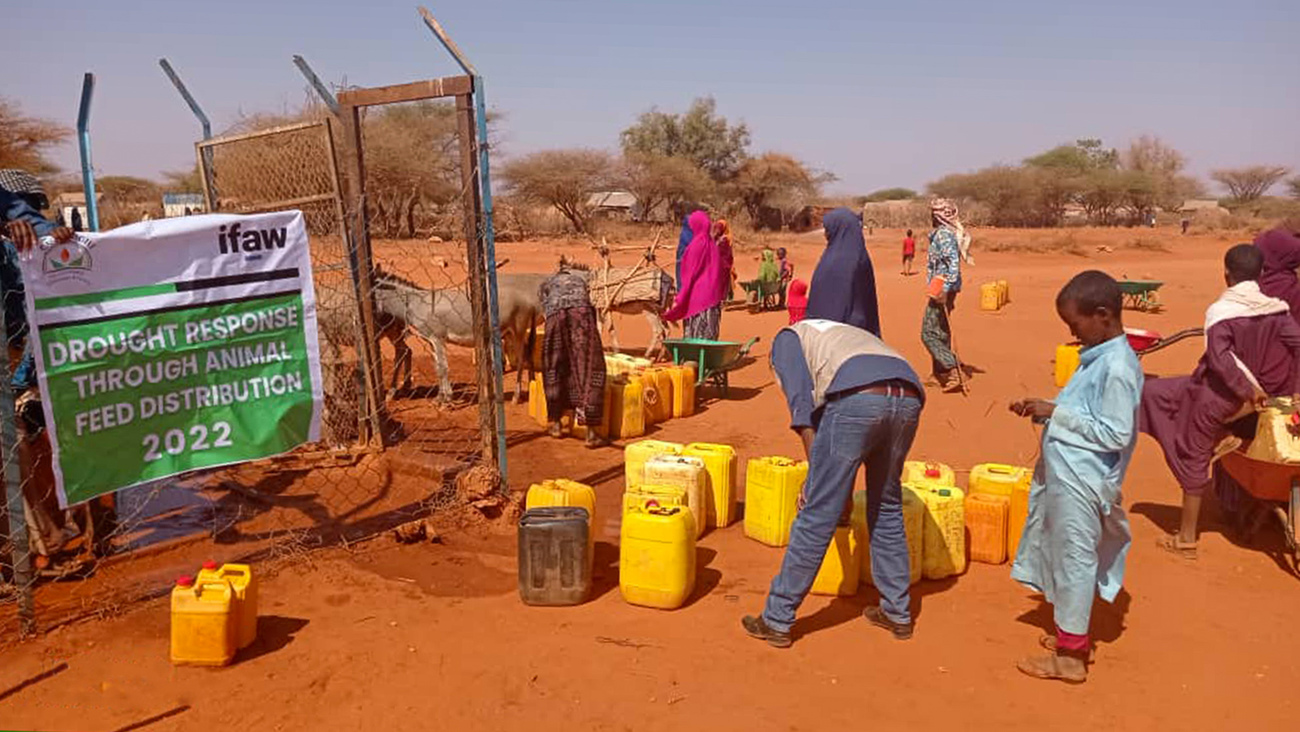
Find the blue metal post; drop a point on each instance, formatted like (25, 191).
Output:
(489, 233)
(490, 255)
(189, 99)
(321, 90)
(209, 185)
(83, 142)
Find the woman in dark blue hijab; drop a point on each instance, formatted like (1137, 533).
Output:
(844, 284)
(683, 241)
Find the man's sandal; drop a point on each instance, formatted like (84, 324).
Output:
(1055, 667)
(1176, 546)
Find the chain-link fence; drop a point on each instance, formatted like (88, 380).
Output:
(394, 448)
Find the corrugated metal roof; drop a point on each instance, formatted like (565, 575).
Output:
(612, 199)
(182, 199)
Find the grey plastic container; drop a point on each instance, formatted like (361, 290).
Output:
(554, 568)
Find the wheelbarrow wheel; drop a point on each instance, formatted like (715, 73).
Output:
(1293, 523)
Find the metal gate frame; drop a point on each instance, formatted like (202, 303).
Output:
(482, 285)
(370, 415)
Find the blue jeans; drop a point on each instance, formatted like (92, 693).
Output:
(871, 428)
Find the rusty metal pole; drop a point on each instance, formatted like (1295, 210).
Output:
(362, 267)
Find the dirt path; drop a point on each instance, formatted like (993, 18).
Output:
(431, 637)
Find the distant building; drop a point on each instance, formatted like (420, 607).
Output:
(65, 203)
(180, 204)
(615, 204)
(1202, 205)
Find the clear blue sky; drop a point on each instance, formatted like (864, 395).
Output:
(881, 94)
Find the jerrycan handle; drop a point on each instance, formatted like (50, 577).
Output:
(652, 507)
(997, 469)
(220, 585)
(234, 571)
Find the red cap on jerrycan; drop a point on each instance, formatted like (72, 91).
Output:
(185, 581)
(210, 564)
(932, 470)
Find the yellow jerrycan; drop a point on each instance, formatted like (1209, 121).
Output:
(916, 472)
(243, 603)
(687, 473)
(561, 492)
(841, 568)
(996, 479)
(683, 378)
(637, 454)
(990, 296)
(986, 527)
(913, 528)
(537, 401)
(1019, 514)
(1067, 362)
(658, 385)
(656, 556)
(944, 551)
(203, 631)
(648, 495)
(627, 408)
(1004, 292)
(720, 461)
(772, 487)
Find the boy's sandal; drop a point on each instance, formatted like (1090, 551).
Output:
(1174, 545)
(1048, 643)
(1048, 667)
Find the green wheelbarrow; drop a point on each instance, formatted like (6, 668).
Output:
(1141, 294)
(713, 359)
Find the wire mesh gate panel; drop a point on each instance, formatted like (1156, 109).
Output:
(101, 557)
(294, 167)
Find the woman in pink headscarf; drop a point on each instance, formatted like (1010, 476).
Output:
(705, 270)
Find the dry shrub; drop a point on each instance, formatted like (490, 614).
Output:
(1064, 243)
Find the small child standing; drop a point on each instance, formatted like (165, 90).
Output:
(787, 274)
(798, 303)
(909, 253)
(1077, 535)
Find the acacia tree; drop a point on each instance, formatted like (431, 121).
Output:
(701, 136)
(1250, 183)
(1163, 167)
(775, 179)
(656, 180)
(565, 179)
(889, 194)
(26, 142)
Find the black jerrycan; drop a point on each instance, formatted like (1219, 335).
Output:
(554, 565)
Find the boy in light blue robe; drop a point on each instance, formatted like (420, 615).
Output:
(1076, 537)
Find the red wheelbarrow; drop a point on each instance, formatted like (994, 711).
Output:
(1274, 487)
(1149, 341)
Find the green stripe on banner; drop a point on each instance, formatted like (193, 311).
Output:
(126, 293)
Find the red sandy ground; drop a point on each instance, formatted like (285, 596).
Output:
(434, 637)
